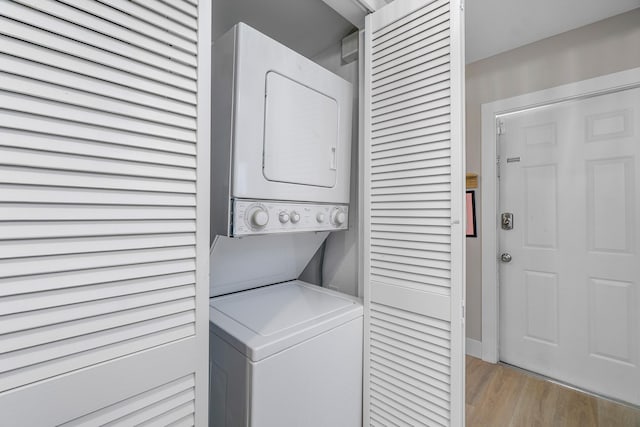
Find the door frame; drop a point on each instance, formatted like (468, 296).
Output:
(489, 195)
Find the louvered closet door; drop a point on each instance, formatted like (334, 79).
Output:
(413, 251)
(104, 151)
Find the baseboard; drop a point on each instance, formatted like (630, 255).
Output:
(474, 348)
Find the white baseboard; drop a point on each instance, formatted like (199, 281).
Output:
(474, 348)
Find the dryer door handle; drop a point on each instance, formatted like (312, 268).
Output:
(333, 159)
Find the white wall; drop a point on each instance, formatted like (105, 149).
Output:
(340, 270)
(601, 48)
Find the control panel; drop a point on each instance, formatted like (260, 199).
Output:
(268, 217)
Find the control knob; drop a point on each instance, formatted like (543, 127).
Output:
(257, 217)
(295, 217)
(320, 217)
(338, 217)
(283, 217)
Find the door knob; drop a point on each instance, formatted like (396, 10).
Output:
(505, 257)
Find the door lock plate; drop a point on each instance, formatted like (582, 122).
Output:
(507, 221)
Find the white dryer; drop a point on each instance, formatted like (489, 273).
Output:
(281, 133)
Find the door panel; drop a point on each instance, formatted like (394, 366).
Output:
(413, 194)
(569, 298)
(103, 212)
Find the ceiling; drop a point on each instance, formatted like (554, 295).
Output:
(494, 26)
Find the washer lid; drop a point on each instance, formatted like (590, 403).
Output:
(241, 264)
(263, 321)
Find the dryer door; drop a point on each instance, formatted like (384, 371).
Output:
(301, 133)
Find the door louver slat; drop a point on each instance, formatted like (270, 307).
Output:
(412, 88)
(410, 47)
(415, 112)
(70, 212)
(45, 143)
(55, 42)
(104, 27)
(30, 176)
(35, 284)
(111, 13)
(439, 50)
(55, 367)
(76, 98)
(82, 327)
(156, 401)
(23, 49)
(91, 37)
(110, 167)
(414, 99)
(411, 27)
(411, 53)
(145, 11)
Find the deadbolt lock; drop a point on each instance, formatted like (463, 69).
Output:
(507, 221)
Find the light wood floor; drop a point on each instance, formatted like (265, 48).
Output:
(499, 396)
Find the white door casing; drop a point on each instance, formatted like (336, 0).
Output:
(568, 298)
(104, 196)
(413, 249)
(490, 111)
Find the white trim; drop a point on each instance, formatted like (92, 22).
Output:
(474, 348)
(361, 165)
(355, 11)
(203, 184)
(362, 179)
(365, 190)
(458, 235)
(352, 10)
(490, 111)
(372, 5)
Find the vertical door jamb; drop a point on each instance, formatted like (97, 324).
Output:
(203, 184)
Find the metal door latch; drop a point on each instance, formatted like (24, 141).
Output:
(507, 221)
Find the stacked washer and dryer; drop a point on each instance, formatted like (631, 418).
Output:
(283, 352)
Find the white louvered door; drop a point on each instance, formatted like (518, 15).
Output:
(413, 215)
(104, 196)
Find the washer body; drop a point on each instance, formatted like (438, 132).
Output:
(286, 355)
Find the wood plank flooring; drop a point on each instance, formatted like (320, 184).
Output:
(499, 396)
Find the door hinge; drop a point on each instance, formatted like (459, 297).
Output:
(500, 127)
(498, 166)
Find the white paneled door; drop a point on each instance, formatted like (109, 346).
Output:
(104, 230)
(569, 297)
(413, 215)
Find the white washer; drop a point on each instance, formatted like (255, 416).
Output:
(286, 355)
